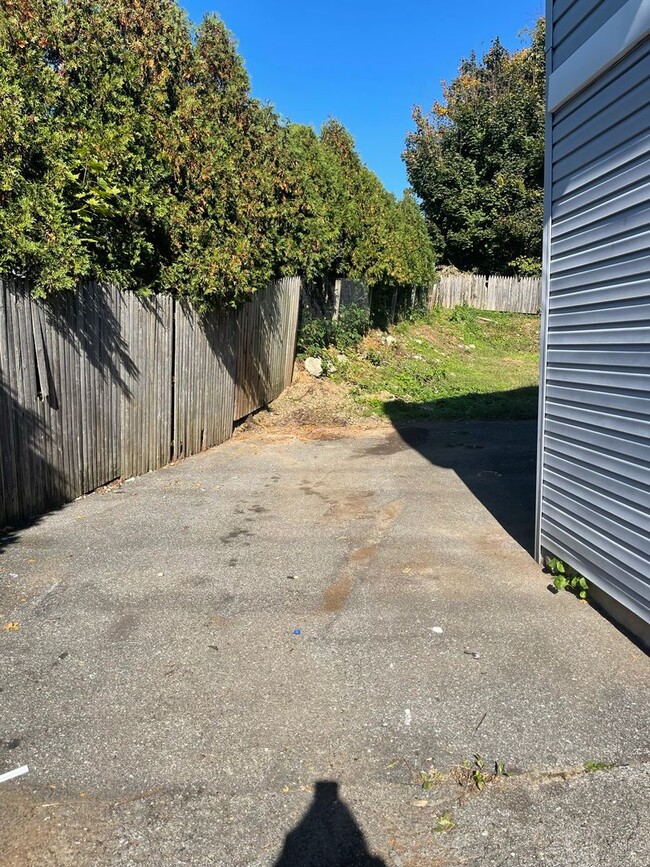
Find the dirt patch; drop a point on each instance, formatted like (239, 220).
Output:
(312, 409)
(355, 506)
(388, 514)
(363, 555)
(337, 593)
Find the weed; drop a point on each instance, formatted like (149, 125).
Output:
(597, 766)
(566, 578)
(474, 771)
(463, 313)
(426, 375)
(428, 779)
(352, 324)
(478, 774)
(443, 824)
(373, 357)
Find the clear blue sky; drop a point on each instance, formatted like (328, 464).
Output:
(365, 63)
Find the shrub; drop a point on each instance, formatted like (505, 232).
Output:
(316, 336)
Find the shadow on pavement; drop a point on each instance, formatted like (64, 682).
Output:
(327, 835)
(496, 459)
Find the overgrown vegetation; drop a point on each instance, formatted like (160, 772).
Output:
(447, 364)
(477, 161)
(131, 150)
(316, 335)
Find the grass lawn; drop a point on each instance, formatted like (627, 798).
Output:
(449, 364)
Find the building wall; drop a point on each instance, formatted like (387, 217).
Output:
(574, 21)
(594, 472)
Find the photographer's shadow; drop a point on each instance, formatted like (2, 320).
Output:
(327, 835)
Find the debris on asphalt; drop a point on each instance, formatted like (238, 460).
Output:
(437, 630)
(43, 596)
(297, 631)
(213, 647)
(11, 775)
(472, 653)
(12, 626)
(407, 717)
(60, 658)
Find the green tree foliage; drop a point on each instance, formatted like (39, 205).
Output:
(222, 146)
(86, 90)
(131, 150)
(381, 241)
(477, 161)
(309, 217)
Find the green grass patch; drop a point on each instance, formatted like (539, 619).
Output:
(448, 364)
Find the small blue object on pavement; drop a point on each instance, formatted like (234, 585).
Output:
(297, 631)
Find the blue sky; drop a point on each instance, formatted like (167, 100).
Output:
(365, 63)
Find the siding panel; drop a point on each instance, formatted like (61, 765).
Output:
(574, 21)
(595, 456)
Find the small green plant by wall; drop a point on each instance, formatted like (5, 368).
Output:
(566, 578)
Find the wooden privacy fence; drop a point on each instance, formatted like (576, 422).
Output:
(505, 294)
(103, 384)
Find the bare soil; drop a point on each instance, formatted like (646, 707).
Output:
(312, 408)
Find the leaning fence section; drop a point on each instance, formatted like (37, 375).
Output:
(103, 384)
(504, 294)
(265, 345)
(204, 385)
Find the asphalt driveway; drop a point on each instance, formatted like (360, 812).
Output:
(292, 653)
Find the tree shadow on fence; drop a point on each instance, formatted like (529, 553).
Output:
(66, 366)
(97, 382)
(265, 340)
(204, 379)
(91, 324)
(327, 835)
(29, 481)
(496, 457)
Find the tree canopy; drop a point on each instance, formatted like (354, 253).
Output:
(476, 161)
(132, 150)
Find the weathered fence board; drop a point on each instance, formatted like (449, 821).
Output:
(266, 337)
(143, 373)
(103, 384)
(505, 294)
(204, 386)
